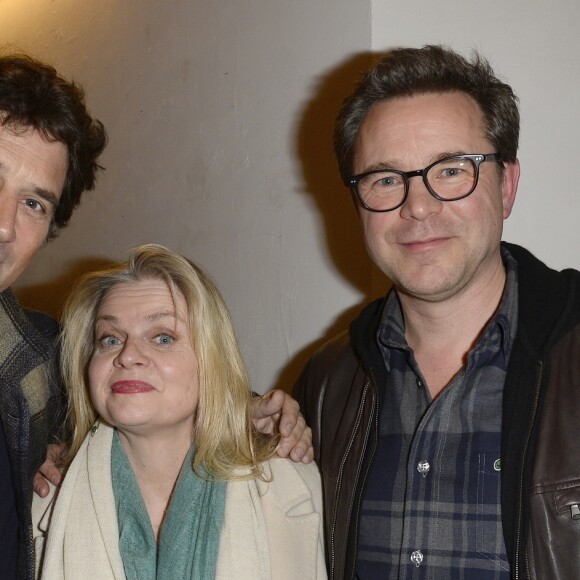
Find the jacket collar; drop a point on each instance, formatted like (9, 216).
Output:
(544, 296)
(547, 299)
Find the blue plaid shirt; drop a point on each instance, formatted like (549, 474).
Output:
(431, 506)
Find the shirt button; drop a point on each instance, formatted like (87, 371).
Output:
(419, 382)
(423, 468)
(417, 558)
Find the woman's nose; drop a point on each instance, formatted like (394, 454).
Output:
(131, 354)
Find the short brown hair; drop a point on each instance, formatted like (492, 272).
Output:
(406, 72)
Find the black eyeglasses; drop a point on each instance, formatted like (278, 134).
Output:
(449, 179)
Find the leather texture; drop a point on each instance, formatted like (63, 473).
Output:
(540, 455)
(552, 548)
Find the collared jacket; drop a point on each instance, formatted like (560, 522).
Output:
(339, 395)
(31, 406)
(271, 530)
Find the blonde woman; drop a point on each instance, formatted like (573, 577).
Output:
(167, 478)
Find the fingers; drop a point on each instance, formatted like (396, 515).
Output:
(308, 457)
(279, 410)
(268, 405)
(289, 419)
(40, 485)
(49, 470)
(298, 445)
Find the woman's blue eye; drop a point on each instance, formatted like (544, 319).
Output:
(164, 339)
(108, 341)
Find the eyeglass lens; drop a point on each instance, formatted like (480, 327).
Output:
(449, 179)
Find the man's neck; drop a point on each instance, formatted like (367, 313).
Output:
(441, 333)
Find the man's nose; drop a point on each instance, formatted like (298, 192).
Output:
(8, 213)
(420, 204)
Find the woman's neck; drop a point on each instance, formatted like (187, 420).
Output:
(156, 462)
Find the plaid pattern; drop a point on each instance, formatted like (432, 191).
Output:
(31, 406)
(431, 505)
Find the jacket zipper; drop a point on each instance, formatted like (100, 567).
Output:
(521, 488)
(339, 482)
(356, 528)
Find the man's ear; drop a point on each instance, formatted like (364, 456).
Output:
(509, 186)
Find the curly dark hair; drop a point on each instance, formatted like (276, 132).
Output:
(405, 72)
(34, 95)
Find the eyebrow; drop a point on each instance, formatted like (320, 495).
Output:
(161, 315)
(47, 195)
(389, 165)
(150, 318)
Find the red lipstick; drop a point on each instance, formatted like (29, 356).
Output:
(131, 387)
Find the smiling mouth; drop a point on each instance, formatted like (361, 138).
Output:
(423, 245)
(131, 387)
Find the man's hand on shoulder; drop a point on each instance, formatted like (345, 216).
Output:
(277, 410)
(49, 470)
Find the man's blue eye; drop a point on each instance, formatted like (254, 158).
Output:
(386, 181)
(451, 172)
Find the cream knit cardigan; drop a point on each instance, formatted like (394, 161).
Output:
(270, 530)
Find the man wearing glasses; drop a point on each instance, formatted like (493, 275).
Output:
(446, 422)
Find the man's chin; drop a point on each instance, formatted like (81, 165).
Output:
(430, 285)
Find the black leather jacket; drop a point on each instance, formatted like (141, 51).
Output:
(540, 453)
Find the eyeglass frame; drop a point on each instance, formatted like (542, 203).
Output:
(476, 158)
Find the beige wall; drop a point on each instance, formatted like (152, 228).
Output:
(219, 116)
(219, 148)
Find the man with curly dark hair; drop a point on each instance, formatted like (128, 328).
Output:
(49, 146)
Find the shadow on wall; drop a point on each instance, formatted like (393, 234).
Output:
(50, 296)
(322, 182)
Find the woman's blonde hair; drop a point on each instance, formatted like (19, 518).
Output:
(224, 436)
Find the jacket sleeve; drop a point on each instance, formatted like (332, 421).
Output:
(321, 384)
(57, 400)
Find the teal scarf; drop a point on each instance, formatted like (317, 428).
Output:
(190, 534)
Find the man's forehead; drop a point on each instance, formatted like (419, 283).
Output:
(429, 104)
(16, 128)
(37, 161)
(419, 129)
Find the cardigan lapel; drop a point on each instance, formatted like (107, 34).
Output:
(273, 530)
(243, 550)
(293, 520)
(102, 498)
(83, 534)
